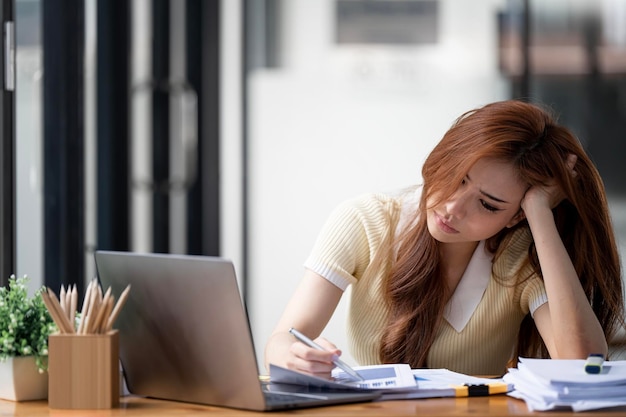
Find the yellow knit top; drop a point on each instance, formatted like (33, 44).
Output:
(344, 250)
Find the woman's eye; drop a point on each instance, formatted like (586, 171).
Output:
(488, 206)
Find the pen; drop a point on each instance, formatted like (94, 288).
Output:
(594, 363)
(338, 362)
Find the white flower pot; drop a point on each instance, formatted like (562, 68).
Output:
(20, 380)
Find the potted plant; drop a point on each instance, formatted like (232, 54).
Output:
(24, 328)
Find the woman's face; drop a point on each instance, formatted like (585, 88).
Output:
(485, 202)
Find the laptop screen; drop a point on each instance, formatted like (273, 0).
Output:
(184, 333)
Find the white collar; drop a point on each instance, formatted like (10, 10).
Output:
(470, 289)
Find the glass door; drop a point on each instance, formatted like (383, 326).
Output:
(72, 188)
(173, 144)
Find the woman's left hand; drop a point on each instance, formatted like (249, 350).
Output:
(550, 195)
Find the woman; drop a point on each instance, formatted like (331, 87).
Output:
(506, 250)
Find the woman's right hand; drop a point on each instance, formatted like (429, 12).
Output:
(303, 358)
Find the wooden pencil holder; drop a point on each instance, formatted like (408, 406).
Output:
(83, 371)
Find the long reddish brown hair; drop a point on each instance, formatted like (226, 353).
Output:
(528, 137)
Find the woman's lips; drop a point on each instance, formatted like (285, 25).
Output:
(443, 225)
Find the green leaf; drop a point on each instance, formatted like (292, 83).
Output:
(25, 323)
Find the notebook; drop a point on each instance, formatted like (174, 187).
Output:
(185, 335)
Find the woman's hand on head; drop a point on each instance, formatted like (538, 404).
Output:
(548, 196)
(303, 358)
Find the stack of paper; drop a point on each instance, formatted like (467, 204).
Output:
(552, 384)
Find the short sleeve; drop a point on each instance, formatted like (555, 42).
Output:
(348, 239)
(533, 295)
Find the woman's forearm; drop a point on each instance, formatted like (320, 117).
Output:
(575, 329)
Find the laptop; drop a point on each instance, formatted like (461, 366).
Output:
(185, 336)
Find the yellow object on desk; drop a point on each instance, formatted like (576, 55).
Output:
(594, 363)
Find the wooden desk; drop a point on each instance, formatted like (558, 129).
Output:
(496, 405)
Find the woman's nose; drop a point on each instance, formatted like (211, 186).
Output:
(456, 205)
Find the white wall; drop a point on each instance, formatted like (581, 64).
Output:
(336, 122)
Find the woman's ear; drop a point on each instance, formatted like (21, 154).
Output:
(519, 216)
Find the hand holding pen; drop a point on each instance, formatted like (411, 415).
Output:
(338, 362)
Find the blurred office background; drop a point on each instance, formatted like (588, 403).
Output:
(233, 128)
